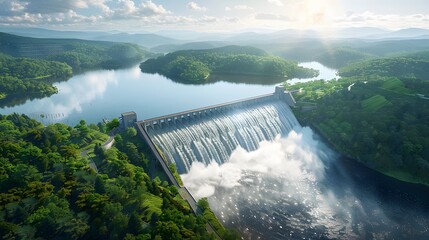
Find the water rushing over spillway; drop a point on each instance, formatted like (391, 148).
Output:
(292, 187)
(214, 138)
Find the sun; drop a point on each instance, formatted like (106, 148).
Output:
(316, 14)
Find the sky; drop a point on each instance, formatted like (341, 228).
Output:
(214, 16)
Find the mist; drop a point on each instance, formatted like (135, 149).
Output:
(293, 158)
(293, 187)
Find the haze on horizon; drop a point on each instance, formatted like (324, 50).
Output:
(213, 16)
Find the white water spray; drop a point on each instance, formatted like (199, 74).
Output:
(214, 139)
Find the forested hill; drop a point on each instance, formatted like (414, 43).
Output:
(197, 65)
(23, 78)
(377, 112)
(28, 66)
(415, 65)
(79, 54)
(49, 191)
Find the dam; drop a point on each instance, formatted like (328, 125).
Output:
(307, 192)
(212, 133)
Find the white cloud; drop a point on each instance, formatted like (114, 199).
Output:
(53, 6)
(129, 10)
(278, 3)
(270, 16)
(151, 8)
(63, 18)
(239, 8)
(242, 7)
(17, 6)
(126, 7)
(195, 7)
(368, 18)
(101, 4)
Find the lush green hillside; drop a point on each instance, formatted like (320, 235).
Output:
(29, 77)
(340, 57)
(48, 190)
(79, 54)
(406, 67)
(197, 65)
(381, 120)
(32, 64)
(341, 52)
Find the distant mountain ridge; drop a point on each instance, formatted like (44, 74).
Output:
(146, 39)
(79, 54)
(249, 37)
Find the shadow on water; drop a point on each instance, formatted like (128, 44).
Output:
(248, 79)
(19, 99)
(235, 78)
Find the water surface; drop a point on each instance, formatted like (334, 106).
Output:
(107, 93)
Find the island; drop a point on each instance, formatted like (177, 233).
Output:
(377, 113)
(196, 66)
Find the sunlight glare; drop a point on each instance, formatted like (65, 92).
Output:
(316, 14)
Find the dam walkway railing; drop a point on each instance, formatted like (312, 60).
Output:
(210, 110)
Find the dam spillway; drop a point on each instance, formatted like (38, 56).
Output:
(213, 133)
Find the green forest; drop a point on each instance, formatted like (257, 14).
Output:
(81, 55)
(379, 116)
(196, 66)
(29, 66)
(31, 77)
(49, 191)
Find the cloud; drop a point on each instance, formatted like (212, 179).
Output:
(151, 8)
(278, 3)
(368, 18)
(10, 8)
(270, 16)
(239, 7)
(101, 4)
(195, 7)
(128, 9)
(53, 6)
(37, 19)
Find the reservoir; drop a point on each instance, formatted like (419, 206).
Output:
(95, 95)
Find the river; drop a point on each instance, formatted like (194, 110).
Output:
(102, 94)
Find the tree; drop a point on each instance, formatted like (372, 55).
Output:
(112, 125)
(135, 224)
(131, 132)
(168, 230)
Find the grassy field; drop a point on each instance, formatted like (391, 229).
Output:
(396, 85)
(374, 103)
(94, 137)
